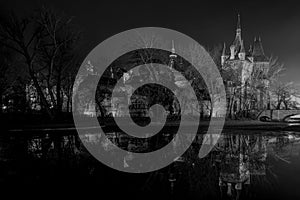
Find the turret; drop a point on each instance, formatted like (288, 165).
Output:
(258, 51)
(238, 36)
(223, 56)
(242, 53)
(249, 54)
(238, 26)
(232, 53)
(236, 45)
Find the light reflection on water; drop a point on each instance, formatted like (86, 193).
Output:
(243, 165)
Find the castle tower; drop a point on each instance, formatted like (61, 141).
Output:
(261, 63)
(232, 52)
(245, 62)
(223, 56)
(238, 36)
(242, 53)
(237, 42)
(238, 27)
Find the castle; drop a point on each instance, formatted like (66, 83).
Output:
(247, 74)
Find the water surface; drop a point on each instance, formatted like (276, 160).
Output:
(243, 165)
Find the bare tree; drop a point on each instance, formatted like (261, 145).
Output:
(23, 36)
(56, 51)
(210, 82)
(261, 80)
(46, 42)
(243, 92)
(69, 74)
(155, 72)
(233, 84)
(285, 93)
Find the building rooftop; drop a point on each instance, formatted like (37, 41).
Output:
(258, 51)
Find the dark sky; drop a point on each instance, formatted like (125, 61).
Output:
(208, 22)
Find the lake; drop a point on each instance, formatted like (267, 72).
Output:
(245, 164)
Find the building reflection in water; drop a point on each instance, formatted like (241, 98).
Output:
(231, 168)
(240, 157)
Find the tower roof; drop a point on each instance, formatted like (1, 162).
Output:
(224, 50)
(238, 38)
(238, 26)
(258, 51)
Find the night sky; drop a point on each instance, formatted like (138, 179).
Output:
(208, 22)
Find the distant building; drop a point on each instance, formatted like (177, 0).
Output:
(249, 67)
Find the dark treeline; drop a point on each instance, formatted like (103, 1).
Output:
(39, 60)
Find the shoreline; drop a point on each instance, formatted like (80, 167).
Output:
(229, 124)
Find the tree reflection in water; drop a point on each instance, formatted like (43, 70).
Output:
(239, 166)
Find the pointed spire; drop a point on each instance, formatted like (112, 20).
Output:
(257, 47)
(238, 37)
(258, 50)
(173, 47)
(224, 50)
(238, 27)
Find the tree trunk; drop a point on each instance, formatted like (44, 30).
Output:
(68, 103)
(51, 93)
(58, 95)
(211, 108)
(231, 107)
(278, 105)
(43, 99)
(286, 105)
